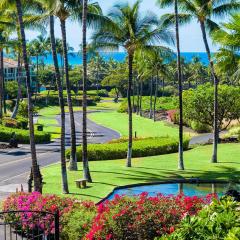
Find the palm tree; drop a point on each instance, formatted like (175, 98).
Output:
(203, 12)
(127, 28)
(175, 18)
(86, 172)
(61, 104)
(180, 150)
(35, 167)
(228, 59)
(62, 9)
(37, 48)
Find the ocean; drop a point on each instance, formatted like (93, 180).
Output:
(75, 59)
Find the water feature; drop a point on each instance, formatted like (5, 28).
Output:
(188, 189)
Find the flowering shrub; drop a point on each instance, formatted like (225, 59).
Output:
(139, 217)
(142, 217)
(220, 220)
(29, 221)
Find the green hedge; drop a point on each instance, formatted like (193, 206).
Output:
(23, 135)
(141, 148)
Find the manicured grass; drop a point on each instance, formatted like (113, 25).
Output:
(109, 174)
(143, 126)
(47, 117)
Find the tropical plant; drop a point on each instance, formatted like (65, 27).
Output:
(228, 59)
(179, 76)
(126, 27)
(17, 7)
(203, 12)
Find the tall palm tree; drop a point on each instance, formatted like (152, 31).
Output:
(180, 150)
(228, 59)
(62, 10)
(61, 104)
(204, 11)
(175, 19)
(35, 167)
(86, 172)
(127, 28)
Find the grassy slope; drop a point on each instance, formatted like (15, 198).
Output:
(143, 126)
(109, 174)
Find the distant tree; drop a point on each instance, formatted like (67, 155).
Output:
(126, 27)
(198, 105)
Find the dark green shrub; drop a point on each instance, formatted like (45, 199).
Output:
(220, 220)
(163, 103)
(23, 109)
(200, 127)
(141, 148)
(22, 135)
(78, 220)
(103, 93)
(23, 122)
(53, 100)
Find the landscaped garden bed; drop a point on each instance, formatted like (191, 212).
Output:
(139, 217)
(141, 148)
(22, 135)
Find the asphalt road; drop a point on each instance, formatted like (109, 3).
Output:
(15, 164)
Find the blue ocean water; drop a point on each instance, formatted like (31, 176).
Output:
(75, 59)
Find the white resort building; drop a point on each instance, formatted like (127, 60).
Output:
(11, 70)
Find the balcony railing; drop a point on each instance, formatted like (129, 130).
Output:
(14, 75)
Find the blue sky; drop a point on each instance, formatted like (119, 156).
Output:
(190, 35)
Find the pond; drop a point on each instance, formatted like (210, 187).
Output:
(188, 189)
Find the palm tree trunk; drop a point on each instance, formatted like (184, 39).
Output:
(163, 87)
(138, 95)
(73, 159)
(129, 94)
(133, 98)
(216, 81)
(86, 171)
(15, 111)
(35, 168)
(141, 94)
(151, 98)
(61, 104)
(1, 82)
(155, 99)
(180, 149)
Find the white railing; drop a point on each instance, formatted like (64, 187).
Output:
(14, 75)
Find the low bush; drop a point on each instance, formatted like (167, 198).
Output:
(102, 93)
(77, 221)
(23, 109)
(220, 220)
(200, 127)
(19, 122)
(142, 217)
(22, 135)
(74, 220)
(141, 148)
(163, 103)
(54, 100)
(10, 122)
(132, 218)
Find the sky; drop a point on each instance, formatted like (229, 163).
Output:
(190, 35)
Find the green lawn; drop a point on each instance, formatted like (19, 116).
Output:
(143, 126)
(47, 117)
(109, 174)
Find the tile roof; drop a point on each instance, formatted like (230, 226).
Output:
(10, 63)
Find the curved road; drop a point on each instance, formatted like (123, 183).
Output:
(15, 163)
